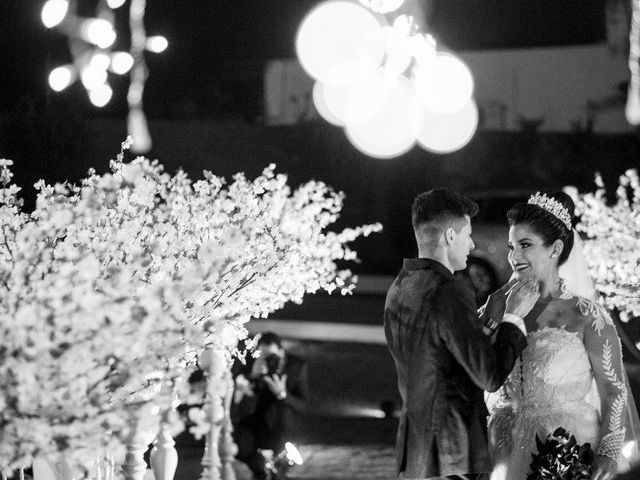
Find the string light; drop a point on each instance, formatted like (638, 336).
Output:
(157, 44)
(632, 109)
(54, 12)
(61, 77)
(121, 62)
(90, 42)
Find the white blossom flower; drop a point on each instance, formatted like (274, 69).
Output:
(108, 288)
(612, 247)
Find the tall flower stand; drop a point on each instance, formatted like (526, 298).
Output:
(228, 449)
(213, 363)
(134, 464)
(164, 457)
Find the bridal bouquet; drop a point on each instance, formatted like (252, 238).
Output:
(560, 457)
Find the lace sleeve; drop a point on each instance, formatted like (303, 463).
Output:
(605, 354)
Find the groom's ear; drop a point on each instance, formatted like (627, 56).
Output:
(449, 235)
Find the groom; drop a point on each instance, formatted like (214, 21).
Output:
(442, 358)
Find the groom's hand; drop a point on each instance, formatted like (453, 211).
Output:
(604, 468)
(522, 297)
(495, 306)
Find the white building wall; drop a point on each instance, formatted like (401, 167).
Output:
(551, 84)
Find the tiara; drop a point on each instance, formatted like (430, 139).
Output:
(552, 206)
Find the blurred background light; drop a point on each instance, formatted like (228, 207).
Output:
(331, 102)
(397, 50)
(100, 61)
(423, 48)
(367, 98)
(382, 6)
(336, 43)
(443, 84)
(157, 44)
(293, 455)
(138, 128)
(115, 3)
(121, 62)
(388, 132)
(53, 12)
(98, 32)
(61, 77)
(93, 78)
(100, 95)
(362, 67)
(446, 132)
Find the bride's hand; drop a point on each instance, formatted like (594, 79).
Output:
(604, 468)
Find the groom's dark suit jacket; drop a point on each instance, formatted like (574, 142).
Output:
(444, 362)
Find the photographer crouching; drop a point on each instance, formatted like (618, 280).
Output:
(269, 391)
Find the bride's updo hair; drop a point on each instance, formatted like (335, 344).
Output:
(549, 227)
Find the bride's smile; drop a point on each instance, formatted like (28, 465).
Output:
(529, 257)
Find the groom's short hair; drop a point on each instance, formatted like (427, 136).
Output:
(438, 209)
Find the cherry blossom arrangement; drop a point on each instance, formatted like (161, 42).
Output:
(110, 287)
(612, 246)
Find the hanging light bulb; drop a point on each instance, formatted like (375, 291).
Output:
(100, 61)
(115, 3)
(331, 102)
(157, 44)
(53, 12)
(443, 84)
(99, 32)
(382, 6)
(336, 43)
(121, 62)
(445, 133)
(388, 132)
(397, 50)
(101, 95)
(61, 77)
(93, 78)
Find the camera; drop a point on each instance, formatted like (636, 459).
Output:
(273, 363)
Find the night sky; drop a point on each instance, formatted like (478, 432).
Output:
(218, 47)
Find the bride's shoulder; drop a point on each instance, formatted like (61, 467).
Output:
(587, 310)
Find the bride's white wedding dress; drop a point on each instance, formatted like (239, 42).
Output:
(556, 384)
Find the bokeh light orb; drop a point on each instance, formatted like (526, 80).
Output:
(53, 12)
(93, 78)
(121, 62)
(382, 6)
(115, 3)
(336, 42)
(100, 61)
(157, 44)
(98, 32)
(61, 77)
(101, 95)
(397, 48)
(331, 102)
(388, 132)
(368, 97)
(445, 132)
(443, 83)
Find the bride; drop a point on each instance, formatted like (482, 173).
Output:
(571, 374)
